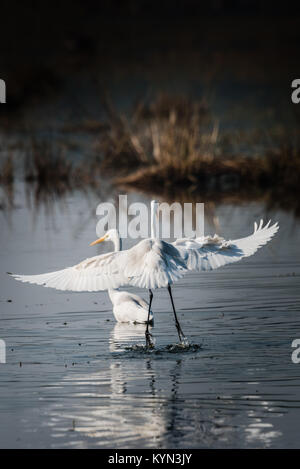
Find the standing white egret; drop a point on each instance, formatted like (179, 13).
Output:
(153, 263)
(127, 307)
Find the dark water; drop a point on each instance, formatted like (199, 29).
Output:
(75, 378)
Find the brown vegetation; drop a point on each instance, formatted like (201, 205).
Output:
(7, 171)
(171, 148)
(174, 145)
(6, 181)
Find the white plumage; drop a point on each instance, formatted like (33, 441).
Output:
(212, 252)
(153, 263)
(149, 264)
(128, 307)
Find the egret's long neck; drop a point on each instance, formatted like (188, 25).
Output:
(153, 220)
(112, 294)
(117, 243)
(118, 247)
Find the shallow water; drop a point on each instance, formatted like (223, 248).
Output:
(75, 378)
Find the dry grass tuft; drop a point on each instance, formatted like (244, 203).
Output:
(51, 174)
(174, 144)
(46, 165)
(169, 147)
(169, 133)
(7, 171)
(6, 181)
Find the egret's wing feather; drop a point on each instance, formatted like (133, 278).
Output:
(208, 253)
(148, 264)
(153, 264)
(138, 301)
(130, 311)
(122, 297)
(93, 274)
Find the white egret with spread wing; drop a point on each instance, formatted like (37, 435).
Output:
(127, 307)
(153, 263)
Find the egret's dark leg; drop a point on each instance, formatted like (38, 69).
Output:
(178, 327)
(149, 342)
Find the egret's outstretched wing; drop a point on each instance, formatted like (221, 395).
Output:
(153, 263)
(212, 252)
(93, 274)
(148, 264)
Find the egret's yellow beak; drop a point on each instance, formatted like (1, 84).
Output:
(98, 240)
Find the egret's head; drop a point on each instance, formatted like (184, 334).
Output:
(110, 235)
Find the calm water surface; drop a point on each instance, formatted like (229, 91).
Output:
(75, 378)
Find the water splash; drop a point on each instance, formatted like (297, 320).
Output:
(170, 348)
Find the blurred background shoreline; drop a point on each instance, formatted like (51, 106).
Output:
(199, 98)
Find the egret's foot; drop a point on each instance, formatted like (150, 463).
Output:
(181, 335)
(149, 341)
(184, 341)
